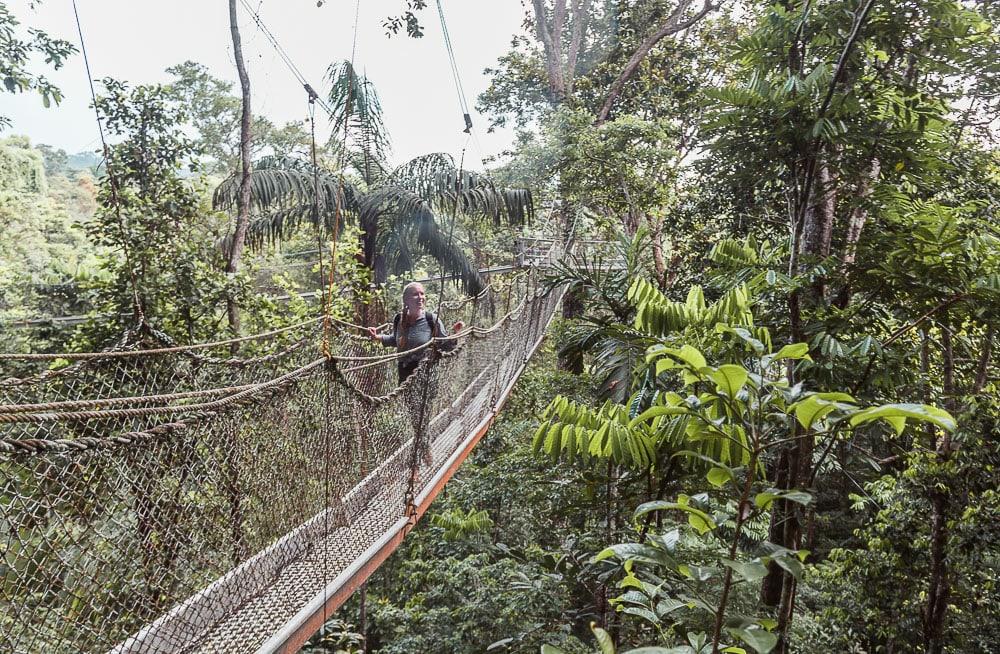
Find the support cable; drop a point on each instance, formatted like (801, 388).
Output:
(112, 181)
(283, 54)
(454, 218)
(338, 214)
(466, 113)
(317, 212)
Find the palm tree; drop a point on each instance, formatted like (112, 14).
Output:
(398, 210)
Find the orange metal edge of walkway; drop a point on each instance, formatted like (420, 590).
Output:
(300, 634)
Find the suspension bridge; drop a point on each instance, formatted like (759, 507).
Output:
(161, 498)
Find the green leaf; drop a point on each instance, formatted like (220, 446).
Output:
(764, 500)
(690, 356)
(697, 572)
(729, 378)
(760, 640)
(669, 605)
(892, 413)
(661, 650)
(791, 564)
(719, 477)
(700, 520)
(744, 335)
(603, 640)
(794, 351)
(750, 570)
(818, 405)
(656, 412)
(549, 649)
(639, 552)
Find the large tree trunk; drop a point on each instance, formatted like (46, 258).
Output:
(855, 223)
(817, 230)
(243, 202)
(561, 72)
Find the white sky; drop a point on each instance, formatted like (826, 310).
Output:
(136, 40)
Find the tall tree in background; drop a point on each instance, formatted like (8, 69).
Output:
(243, 199)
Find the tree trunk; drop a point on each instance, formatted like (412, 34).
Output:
(939, 587)
(551, 38)
(817, 230)
(855, 223)
(770, 591)
(243, 202)
(659, 263)
(560, 72)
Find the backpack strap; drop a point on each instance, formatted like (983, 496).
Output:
(432, 323)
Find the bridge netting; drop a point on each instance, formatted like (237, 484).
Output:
(178, 499)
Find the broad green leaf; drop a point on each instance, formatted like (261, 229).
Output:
(763, 500)
(669, 605)
(791, 564)
(729, 378)
(793, 351)
(549, 649)
(645, 614)
(697, 572)
(690, 356)
(661, 650)
(656, 412)
(700, 520)
(760, 640)
(697, 640)
(750, 570)
(637, 552)
(719, 477)
(892, 412)
(818, 405)
(498, 644)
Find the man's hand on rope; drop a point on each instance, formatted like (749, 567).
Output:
(373, 334)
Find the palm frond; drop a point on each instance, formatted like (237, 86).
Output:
(435, 178)
(409, 219)
(356, 107)
(282, 192)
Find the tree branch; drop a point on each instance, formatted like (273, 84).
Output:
(673, 25)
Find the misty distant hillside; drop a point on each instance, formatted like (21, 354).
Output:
(82, 160)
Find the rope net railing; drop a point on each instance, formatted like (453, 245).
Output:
(158, 498)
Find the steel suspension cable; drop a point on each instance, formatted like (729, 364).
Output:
(112, 181)
(282, 53)
(338, 214)
(317, 213)
(466, 114)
